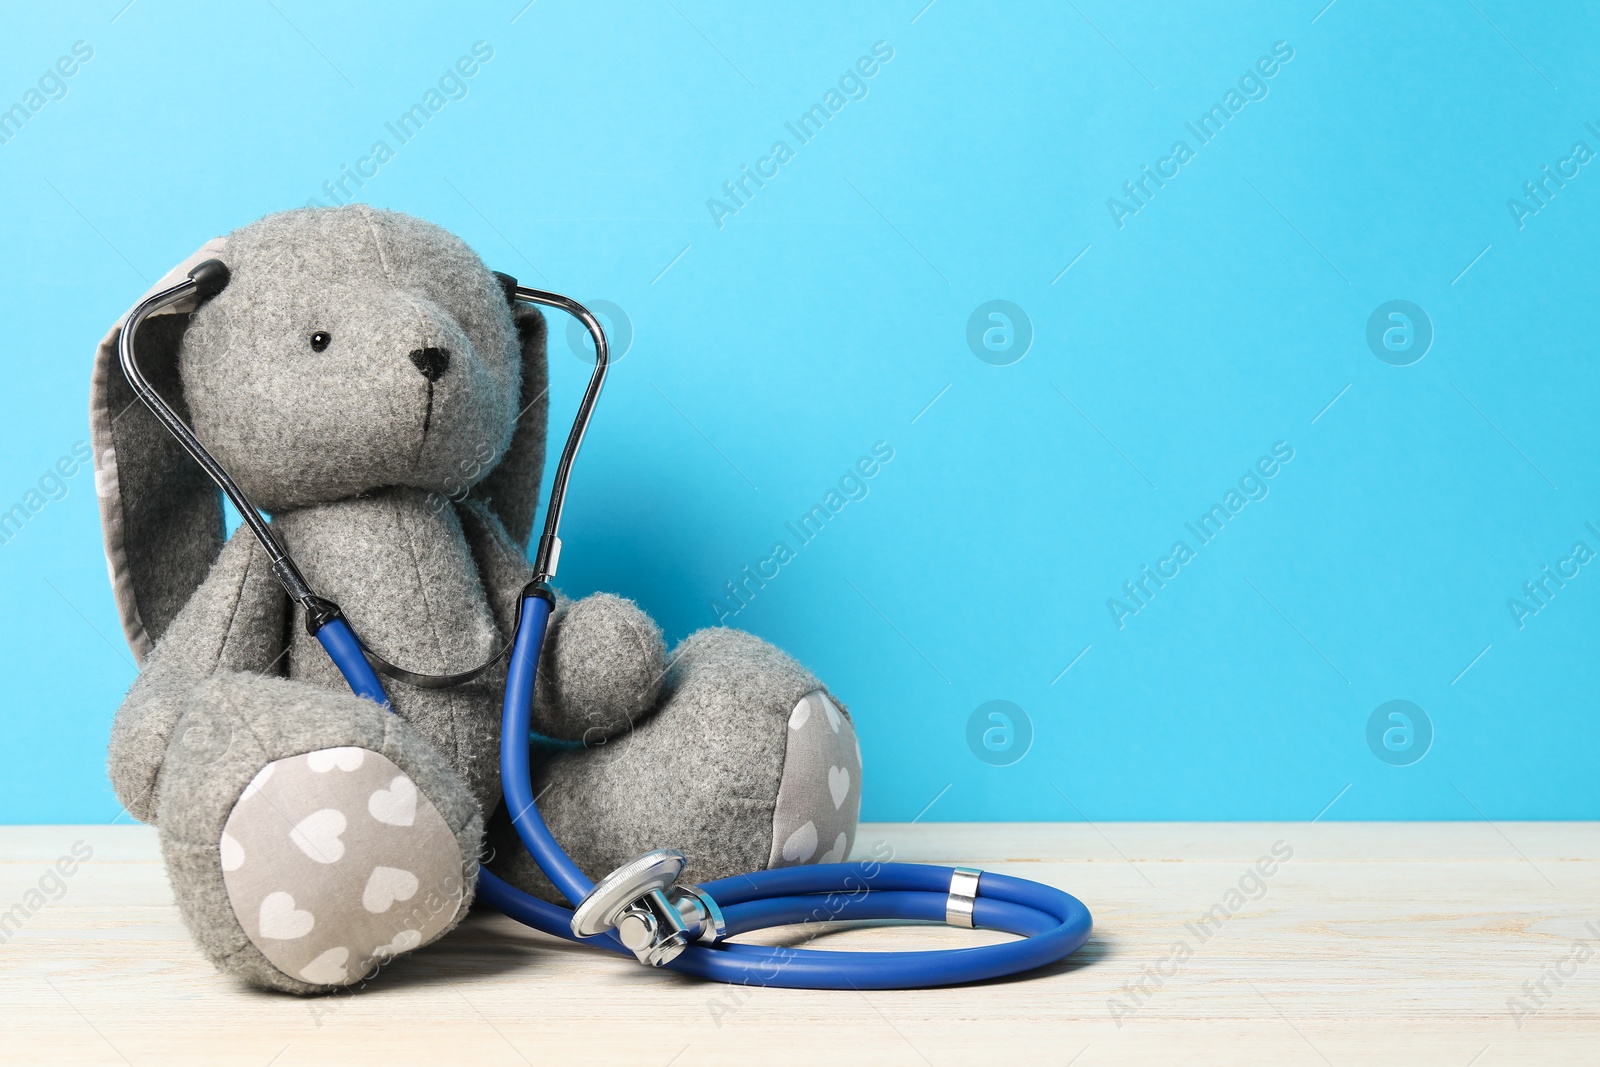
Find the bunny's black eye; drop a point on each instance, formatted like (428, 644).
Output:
(320, 339)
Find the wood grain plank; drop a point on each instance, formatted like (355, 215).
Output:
(1372, 943)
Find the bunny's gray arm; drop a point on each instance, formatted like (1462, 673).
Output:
(214, 692)
(233, 623)
(604, 658)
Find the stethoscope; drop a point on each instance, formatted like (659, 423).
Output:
(640, 909)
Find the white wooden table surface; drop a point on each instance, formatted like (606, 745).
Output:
(1406, 943)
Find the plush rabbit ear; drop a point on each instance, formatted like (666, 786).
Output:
(160, 515)
(512, 488)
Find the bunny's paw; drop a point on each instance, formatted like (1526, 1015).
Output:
(311, 836)
(334, 862)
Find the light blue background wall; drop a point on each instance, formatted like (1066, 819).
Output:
(771, 352)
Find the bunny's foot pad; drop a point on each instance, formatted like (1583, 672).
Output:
(335, 862)
(819, 799)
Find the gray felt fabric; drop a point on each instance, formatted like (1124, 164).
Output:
(701, 774)
(512, 488)
(382, 286)
(403, 482)
(404, 575)
(604, 658)
(234, 623)
(605, 669)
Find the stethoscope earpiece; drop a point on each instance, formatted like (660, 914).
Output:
(210, 278)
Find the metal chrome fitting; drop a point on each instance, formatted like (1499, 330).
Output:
(652, 915)
(699, 912)
(963, 896)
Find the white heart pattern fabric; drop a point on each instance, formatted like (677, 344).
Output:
(819, 795)
(317, 835)
(396, 805)
(334, 861)
(345, 759)
(280, 920)
(257, 782)
(404, 941)
(330, 968)
(802, 844)
(834, 718)
(838, 785)
(840, 849)
(232, 853)
(387, 885)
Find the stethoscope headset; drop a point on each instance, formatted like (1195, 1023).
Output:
(640, 909)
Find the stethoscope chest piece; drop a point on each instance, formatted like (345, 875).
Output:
(653, 916)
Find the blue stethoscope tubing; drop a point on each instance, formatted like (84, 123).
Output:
(1050, 924)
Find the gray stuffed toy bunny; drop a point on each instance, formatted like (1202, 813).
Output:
(365, 379)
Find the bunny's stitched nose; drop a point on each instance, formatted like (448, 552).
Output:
(432, 362)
